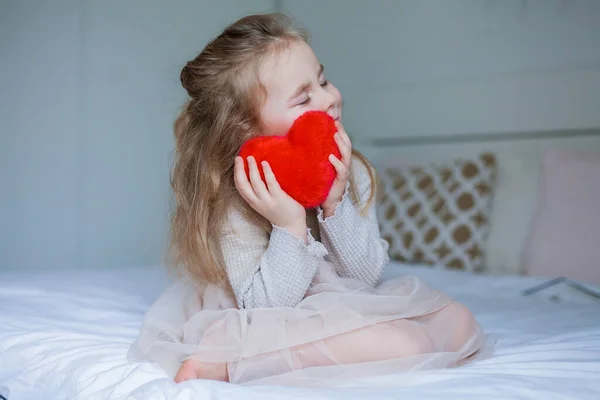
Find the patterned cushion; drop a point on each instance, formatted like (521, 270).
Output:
(438, 214)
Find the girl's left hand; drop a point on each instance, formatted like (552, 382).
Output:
(342, 168)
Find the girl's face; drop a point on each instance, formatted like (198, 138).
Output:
(295, 83)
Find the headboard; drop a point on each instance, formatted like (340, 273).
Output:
(518, 155)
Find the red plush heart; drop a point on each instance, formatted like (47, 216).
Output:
(300, 159)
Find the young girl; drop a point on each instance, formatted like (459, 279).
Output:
(271, 292)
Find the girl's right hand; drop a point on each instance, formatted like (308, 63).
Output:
(269, 200)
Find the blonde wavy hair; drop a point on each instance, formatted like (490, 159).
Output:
(222, 113)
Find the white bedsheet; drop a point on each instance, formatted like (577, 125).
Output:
(64, 335)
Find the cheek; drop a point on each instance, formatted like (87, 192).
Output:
(278, 124)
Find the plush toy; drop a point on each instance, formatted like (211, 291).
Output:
(300, 159)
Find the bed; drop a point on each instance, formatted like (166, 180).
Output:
(64, 335)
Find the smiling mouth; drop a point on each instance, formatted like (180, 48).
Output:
(335, 115)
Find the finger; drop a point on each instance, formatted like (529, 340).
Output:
(340, 168)
(344, 136)
(255, 179)
(241, 181)
(272, 183)
(345, 150)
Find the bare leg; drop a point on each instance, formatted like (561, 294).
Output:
(400, 338)
(452, 327)
(449, 329)
(378, 342)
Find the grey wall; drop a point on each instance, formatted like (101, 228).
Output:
(89, 90)
(431, 67)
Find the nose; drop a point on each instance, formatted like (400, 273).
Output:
(326, 100)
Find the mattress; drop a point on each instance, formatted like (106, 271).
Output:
(65, 334)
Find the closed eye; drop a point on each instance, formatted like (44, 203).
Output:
(306, 101)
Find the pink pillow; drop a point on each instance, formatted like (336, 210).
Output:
(565, 235)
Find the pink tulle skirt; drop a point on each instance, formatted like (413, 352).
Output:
(343, 330)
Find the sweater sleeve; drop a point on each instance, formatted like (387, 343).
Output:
(353, 242)
(268, 270)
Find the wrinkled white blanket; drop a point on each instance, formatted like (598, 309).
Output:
(65, 335)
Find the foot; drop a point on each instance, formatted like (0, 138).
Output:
(194, 369)
(187, 371)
